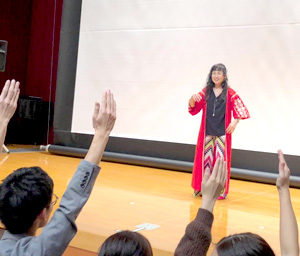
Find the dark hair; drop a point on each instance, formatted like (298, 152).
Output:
(243, 244)
(210, 84)
(126, 243)
(23, 195)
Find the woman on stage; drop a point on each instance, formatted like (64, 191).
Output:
(217, 101)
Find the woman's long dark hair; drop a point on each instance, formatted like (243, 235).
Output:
(126, 243)
(243, 244)
(210, 84)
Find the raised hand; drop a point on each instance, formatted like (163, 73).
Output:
(212, 185)
(283, 179)
(8, 100)
(8, 104)
(104, 119)
(104, 116)
(289, 243)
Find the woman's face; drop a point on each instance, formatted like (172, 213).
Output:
(217, 77)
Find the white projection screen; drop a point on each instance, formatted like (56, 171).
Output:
(154, 54)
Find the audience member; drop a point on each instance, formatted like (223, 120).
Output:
(8, 104)
(197, 237)
(126, 243)
(289, 243)
(252, 244)
(242, 244)
(27, 199)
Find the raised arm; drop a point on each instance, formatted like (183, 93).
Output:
(58, 233)
(289, 244)
(197, 237)
(103, 122)
(8, 104)
(212, 185)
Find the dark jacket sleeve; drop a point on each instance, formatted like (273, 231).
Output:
(197, 237)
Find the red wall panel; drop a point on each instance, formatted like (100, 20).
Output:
(15, 23)
(43, 49)
(32, 29)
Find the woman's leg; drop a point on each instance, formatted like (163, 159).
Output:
(220, 153)
(209, 150)
(208, 157)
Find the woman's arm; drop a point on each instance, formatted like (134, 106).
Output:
(196, 103)
(231, 127)
(239, 111)
(195, 98)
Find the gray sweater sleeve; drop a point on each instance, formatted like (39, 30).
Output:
(197, 237)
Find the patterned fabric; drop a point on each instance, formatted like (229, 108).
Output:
(209, 150)
(220, 147)
(239, 107)
(214, 148)
(220, 152)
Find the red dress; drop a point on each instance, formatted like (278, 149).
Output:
(235, 105)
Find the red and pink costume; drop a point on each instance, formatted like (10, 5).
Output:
(235, 105)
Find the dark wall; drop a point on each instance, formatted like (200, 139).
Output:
(32, 29)
(15, 24)
(43, 49)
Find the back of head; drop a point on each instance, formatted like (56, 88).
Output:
(243, 244)
(126, 243)
(23, 195)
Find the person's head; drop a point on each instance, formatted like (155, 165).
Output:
(25, 197)
(217, 77)
(126, 243)
(242, 244)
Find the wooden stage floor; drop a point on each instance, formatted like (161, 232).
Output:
(125, 196)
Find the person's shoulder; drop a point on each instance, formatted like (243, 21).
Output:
(231, 92)
(203, 91)
(18, 244)
(13, 239)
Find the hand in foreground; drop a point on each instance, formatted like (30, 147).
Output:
(8, 100)
(104, 118)
(289, 242)
(105, 114)
(283, 179)
(212, 185)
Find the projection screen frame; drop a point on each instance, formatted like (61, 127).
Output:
(263, 164)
